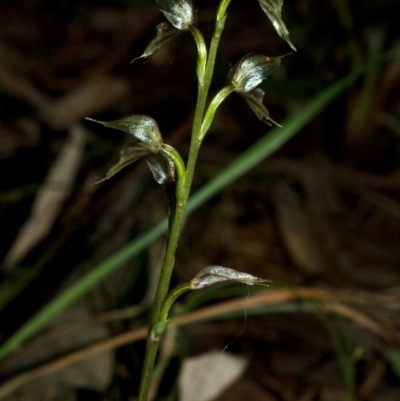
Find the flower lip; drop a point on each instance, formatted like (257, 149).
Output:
(254, 99)
(162, 167)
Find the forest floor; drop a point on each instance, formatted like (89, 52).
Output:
(320, 217)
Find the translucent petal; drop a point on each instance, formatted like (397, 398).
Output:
(254, 99)
(143, 128)
(180, 13)
(251, 70)
(128, 155)
(273, 9)
(169, 166)
(165, 33)
(162, 168)
(157, 169)
(218, 274)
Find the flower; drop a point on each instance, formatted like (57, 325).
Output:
(249, 72)
(148, 144)
(218, 274)
(180, 13)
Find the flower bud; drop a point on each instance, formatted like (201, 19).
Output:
(218, 274)
(251, 70)
(180, 13)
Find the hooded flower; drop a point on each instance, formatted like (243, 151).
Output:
(180, 13)
(148, 144)
(249, 72)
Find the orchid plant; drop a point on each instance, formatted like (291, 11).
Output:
(165, 163)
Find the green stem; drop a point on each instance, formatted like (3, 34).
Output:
(201, 52)
(175, 190)
(172, 297)
(180, 171)
(178, 218)
(212, 108)
(221, 14)
(162, 290)
(203, 93)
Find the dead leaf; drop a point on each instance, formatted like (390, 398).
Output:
(93, 373)
(297, 230)
(205, 376)
(50, 198)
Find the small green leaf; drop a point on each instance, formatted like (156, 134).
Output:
(218, 274)
(143, 128)
(273, 9)
(127, 155)
(254, 99)
(180, 13)
(165, 33)
(251, 70)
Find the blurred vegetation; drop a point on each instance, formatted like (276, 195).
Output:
(320, 217)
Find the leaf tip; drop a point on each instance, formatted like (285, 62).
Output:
(95, 121)
(137, 58)
(102, 180)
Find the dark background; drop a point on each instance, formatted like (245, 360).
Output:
(322, 213)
